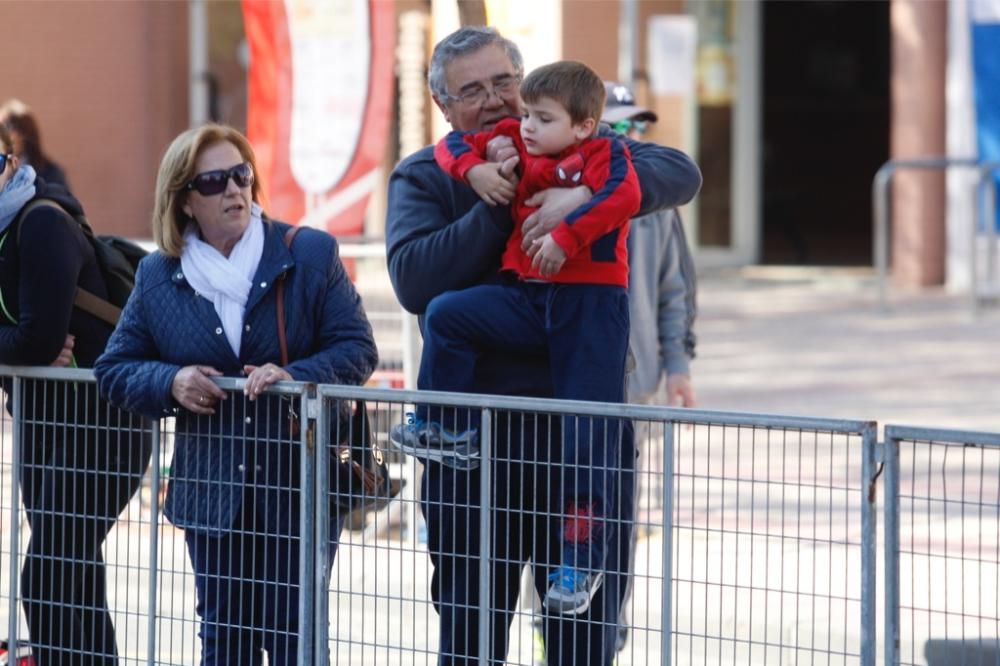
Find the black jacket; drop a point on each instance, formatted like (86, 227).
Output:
(42, 260)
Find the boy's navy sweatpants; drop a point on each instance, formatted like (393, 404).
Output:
(584, 330)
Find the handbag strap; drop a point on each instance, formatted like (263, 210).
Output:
(279, 298)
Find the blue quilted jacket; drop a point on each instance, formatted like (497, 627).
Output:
(244, 452)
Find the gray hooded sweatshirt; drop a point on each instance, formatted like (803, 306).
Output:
(662, 291)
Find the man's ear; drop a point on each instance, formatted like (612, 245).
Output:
(584, 130)
(444, 109)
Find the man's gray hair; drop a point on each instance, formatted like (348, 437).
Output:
(462, 42)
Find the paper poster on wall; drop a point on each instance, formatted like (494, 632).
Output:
(673, 41)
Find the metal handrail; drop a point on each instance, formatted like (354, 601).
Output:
(502, 402)
(881, 206)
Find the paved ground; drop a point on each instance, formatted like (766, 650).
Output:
(765, 577)
(813, 342)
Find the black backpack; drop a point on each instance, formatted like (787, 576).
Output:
(117, 257)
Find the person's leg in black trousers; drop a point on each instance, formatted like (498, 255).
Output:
(224, 568)
(76, 481)
(450, 503)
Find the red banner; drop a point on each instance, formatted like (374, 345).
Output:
(320, 102)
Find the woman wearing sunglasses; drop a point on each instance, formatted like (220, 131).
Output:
(20, 120)
(80, 460)
(204, 306)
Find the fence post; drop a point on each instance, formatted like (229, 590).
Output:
(668, 543)
(990, 223)
(880, 218)
(15, 518)
(881, 208)
(322, 514)
(869, 529)
(154, 543)
(411, 349)
(485, 529)
(307, 538)
(985, 217)
(891, 457)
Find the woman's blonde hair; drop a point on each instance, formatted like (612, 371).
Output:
(177, 169)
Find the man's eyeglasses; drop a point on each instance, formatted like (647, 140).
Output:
(3, 161)
(215, 182)
(502, 87)
(626, 126)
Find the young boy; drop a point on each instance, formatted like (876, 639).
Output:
(566, 295)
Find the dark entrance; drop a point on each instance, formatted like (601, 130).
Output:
(825, 128)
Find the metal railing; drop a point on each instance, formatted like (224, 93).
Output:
(942, 546)
(760, 548)
(985, 214)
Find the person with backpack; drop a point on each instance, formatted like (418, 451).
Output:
(22, 124)
(81, 460)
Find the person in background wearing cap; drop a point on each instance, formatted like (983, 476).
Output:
(662, 309)
(662, 285)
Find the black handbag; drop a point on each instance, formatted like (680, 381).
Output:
(359, 477)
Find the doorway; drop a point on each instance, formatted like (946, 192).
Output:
(825, 128)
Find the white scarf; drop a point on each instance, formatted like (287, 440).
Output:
(226, 281)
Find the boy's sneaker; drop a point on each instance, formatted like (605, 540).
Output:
(431, 441)
(571, 590)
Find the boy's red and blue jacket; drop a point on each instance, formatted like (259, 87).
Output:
(594, 235)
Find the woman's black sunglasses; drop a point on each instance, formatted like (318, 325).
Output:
(215, 182)
(3, 161)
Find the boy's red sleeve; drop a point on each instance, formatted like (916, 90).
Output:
(458, 151)
(610, 176)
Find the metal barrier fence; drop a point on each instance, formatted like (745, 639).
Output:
(942, 554)
(985, 217)
(765, 531)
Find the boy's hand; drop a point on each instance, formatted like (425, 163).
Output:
(553, 204)
(490, 184)
(546, 256)
(500, 149)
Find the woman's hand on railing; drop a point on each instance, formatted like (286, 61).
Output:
(259, 378)
(195, 391)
